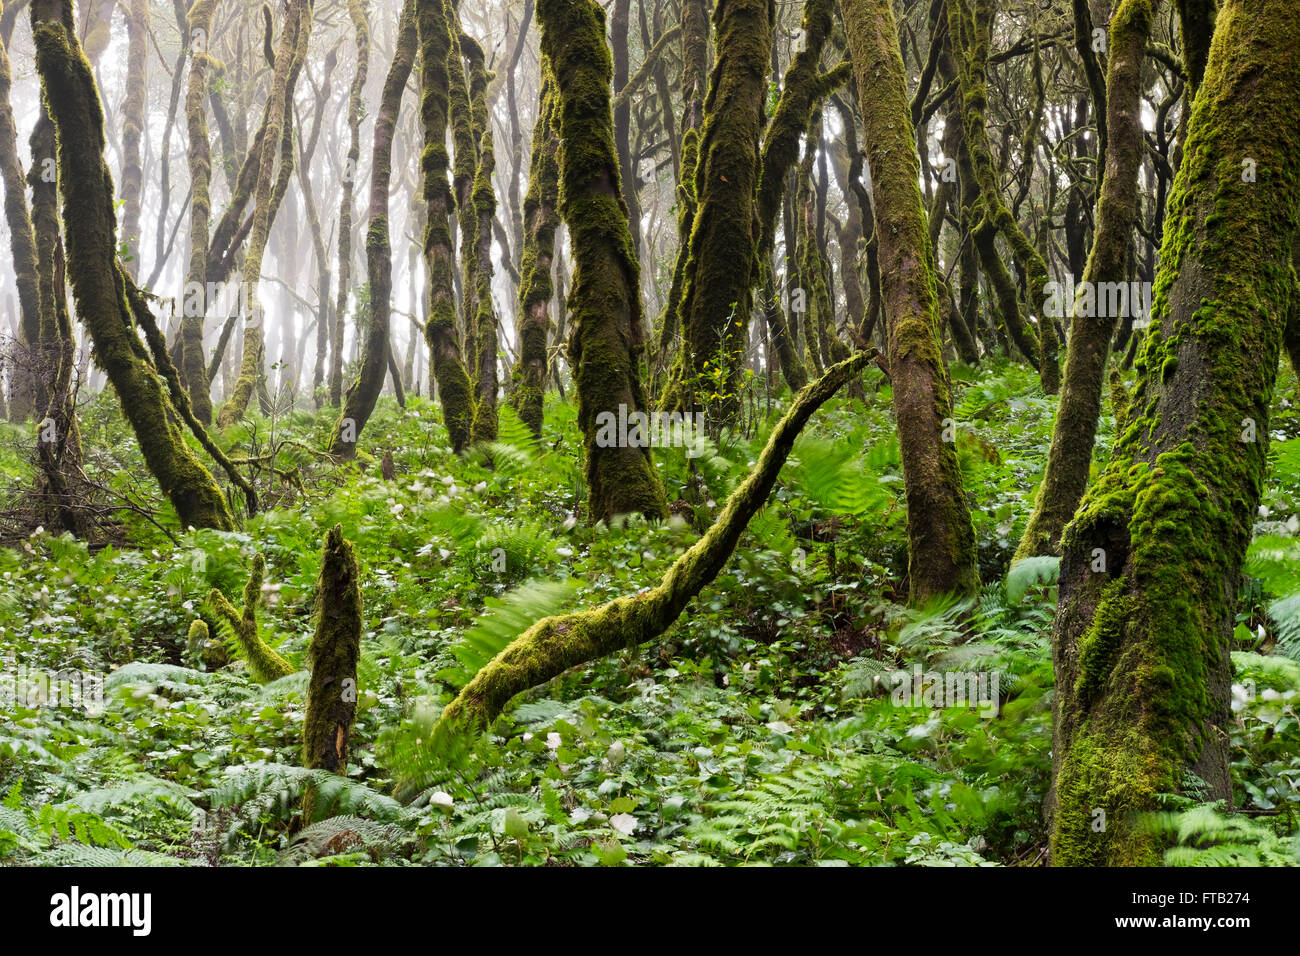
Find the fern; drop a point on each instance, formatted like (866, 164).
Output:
(504, 620)
(341, 834)
(1028, 573)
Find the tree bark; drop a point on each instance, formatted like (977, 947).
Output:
(1151, 563)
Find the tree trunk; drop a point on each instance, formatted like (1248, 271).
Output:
(1152, 561)
(941, 538)
(98, 284)
(1070, 458)
(361, 397)
(606, 345)
(440, 330)
(541, 216)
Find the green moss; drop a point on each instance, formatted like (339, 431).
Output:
(454, 388)
(332, 659)
(606, 347)
(554, 644)
(1147, 699)
(263, 662)
(99, 286)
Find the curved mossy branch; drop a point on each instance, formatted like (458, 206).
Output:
(941, 538)
(1141, 648)
(332, 659)
(263, 662)
(361, 397)
(440, 329)
(1075, 429)
(648, 65)
(98, 284)
(554, 644)
(605, 350)
(541, 217)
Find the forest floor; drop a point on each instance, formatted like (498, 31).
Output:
(767, 726)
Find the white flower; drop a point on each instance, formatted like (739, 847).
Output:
(553, 740)
(569, 522)
(624, 823)
(441, 799)
(564, 552)
(480, 487)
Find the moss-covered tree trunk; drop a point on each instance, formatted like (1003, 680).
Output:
(1070, 458)
(970, 31)
(361, 397)
(291, 51)
(361, 32)
(941, 538)
(25, 394)
(695, 49)
(194, 310)
(98, 283)
(332, 659)
(606, 347)
(720, 266)
(1151, 563)
(133, 116)
(478, 245)
(541, 217)
(440, 329)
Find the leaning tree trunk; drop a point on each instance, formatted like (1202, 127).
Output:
(1151, 563)
(98, 283)
(606, 346)
(941, 538)
(361, 397)
(1070, 458)
(541, 216)
(440, 329)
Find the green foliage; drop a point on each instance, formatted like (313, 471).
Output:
(760, 730)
